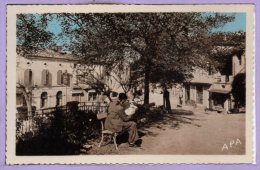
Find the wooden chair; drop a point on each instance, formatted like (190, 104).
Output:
(104, 132)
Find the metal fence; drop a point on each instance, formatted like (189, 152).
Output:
(28, 123)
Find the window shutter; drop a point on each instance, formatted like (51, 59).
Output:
(26, 77)
(44, 77)
(49, 79)
(59, 77)
(30, 77)
(66, 79)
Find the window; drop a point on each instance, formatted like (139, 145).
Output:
(59, 77)
(46, 78)
(114, 94)
(59, 98)
(92, 96)
(199, 94)
(28, 80)
(76, 97)
(44, 99)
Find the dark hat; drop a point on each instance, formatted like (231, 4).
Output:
(122, 96)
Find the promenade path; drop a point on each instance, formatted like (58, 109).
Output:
(200, 133)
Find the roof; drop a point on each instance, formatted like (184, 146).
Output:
(220, 88)
(49, 54)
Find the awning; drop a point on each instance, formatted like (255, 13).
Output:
(76, 92)
(220, 88)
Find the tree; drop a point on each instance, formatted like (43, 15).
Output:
(103, 79)
(227, 45)
(170, 43)
(31, 33)
(239, 89)
(27, 93)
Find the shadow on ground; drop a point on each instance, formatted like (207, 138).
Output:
(174, 120)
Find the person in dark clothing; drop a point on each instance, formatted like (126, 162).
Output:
(166, 100)
(118, 121)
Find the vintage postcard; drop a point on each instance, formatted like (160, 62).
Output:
(130, 84)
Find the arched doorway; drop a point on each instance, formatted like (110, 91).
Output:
(59, 98)
(44, 99)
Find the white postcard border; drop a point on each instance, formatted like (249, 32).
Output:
(11, 158)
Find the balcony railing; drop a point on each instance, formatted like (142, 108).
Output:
(27, 123)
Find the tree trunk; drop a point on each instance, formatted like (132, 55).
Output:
(167, 100)
(150, 52)
(28, 99)
(146, 84)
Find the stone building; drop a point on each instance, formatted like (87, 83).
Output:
(214, 91)
(196, 92)
(221, 98)
(48, 73)
(52, 77)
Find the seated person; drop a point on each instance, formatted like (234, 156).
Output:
(117, 120)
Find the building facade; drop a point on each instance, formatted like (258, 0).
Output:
(221, 98)
(48, 74)
(196, 92)
(52, 78)
(213, 91)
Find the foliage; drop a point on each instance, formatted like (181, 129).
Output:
(167, 43)
(227, 45)
(60, 132)
(171, 44)
(239, 89)
(27, 94)
(23, 112)
(31, 32)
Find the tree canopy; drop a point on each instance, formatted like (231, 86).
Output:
(225, 46)
(31, 33)
(161, 48)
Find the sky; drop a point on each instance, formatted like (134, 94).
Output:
(239, 24)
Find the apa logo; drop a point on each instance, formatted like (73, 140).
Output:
(231, 144)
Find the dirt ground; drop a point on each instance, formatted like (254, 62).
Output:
(200, 133)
